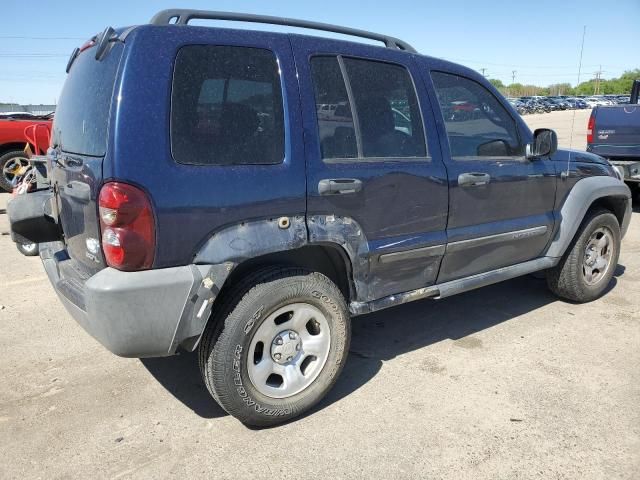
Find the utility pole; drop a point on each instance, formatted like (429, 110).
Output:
(483, 70)
(596, 87)
(513, 76)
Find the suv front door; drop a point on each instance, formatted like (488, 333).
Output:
(500, 203)
(376, 182)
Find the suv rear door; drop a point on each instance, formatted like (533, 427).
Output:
(373, 161)
(501, 203)
(79, 146)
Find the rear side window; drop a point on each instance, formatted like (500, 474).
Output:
(387, 109)
(477, 124)
(226, 107)
(82, 116)
(366, 109)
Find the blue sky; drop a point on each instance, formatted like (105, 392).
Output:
(540, 40)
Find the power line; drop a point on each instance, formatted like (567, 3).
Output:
(12, 37)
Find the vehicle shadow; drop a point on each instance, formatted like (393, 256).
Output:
(180, 375)
(382, 336)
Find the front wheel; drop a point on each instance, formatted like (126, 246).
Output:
(585, 270)
(276, 346)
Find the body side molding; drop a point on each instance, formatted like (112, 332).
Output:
(497, 238)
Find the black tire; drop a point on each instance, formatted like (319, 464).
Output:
(568, 279)
(225, 346)
(5, 181)
(28, 250)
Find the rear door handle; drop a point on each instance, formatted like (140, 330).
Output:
(338, 186)
(473, 179)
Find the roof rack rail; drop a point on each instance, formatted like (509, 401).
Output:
(183, 16)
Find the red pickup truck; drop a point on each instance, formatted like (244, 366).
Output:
(16, 132)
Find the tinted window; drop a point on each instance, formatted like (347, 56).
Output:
(477, 123)
(387, 109)
(82, 115)
(226, 106)
(335, 121)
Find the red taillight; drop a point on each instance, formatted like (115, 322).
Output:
(590, 128)
(127, 224)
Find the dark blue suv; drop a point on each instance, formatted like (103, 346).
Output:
(244, 193)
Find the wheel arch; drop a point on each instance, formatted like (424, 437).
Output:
(9, 147)
(230, 254)
(588, 194)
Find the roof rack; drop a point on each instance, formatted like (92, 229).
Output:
(183, 16)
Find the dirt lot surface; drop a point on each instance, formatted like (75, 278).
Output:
(504, 382)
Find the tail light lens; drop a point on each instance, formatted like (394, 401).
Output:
(127, 225)
(590, 128)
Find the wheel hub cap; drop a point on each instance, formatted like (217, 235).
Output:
(288, 350)
(285, 347)
(597, 256)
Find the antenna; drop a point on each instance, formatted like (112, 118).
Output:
(573, 119)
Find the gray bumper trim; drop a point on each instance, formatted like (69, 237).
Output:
(139, 314)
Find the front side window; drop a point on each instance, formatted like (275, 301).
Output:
(226, 107)
(378, 118)
(477, 124)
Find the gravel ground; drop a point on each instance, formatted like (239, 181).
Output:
(504, 382)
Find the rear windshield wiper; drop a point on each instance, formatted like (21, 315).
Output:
(102, 41)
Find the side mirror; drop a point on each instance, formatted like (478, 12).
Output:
(545, 143)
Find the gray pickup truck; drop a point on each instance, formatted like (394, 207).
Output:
(614, 133)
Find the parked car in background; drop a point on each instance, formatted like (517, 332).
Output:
(255, 242)
(14, 131)
(614, 133)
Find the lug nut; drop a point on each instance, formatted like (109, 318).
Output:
(298, 347)
(278, 341)
(292, 335)
(289, 359)
(278, 356)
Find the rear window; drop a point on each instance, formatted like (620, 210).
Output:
(226, 107)
(82, 115)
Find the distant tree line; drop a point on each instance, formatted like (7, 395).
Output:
(612, 86)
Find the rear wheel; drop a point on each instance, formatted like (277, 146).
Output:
(585, 270)
(10, 165)
(28, 249)
(277, 346)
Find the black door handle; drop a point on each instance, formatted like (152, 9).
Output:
(473, 179)
(337, 186)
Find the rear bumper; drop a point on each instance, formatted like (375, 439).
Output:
(136, 314)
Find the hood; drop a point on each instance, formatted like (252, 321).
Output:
(580, 156)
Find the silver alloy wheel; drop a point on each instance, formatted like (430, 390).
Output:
(289, 350)
(597, 255)
(12, 167)
(29, 247)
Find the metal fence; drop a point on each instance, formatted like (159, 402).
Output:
(35, 109)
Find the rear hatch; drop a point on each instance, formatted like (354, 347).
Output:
(79, 146)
